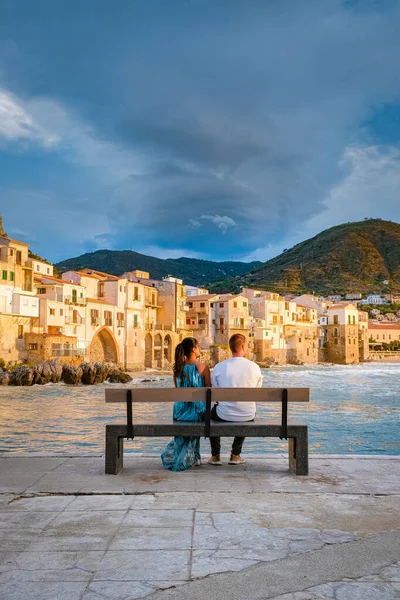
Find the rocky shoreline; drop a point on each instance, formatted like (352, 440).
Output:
(53, 371)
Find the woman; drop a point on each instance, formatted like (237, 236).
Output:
(183, 452)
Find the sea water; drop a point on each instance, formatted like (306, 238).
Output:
(354, 409)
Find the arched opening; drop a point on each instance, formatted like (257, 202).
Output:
(158, 356)
(103, 347)
(148, 351)
(168, 349)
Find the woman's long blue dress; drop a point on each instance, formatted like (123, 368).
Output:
(183, 452)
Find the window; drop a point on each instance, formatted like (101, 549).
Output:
(11, 252)
(120, 288)
(136, 293)
(212, 304)
(336, 341)
(41, 290)
(135, 321)
(52, 311)
(20, 332)
(335, 332)
(120, 319)
(308, 351)
(221, 304)
(244, 304)
(202, 322)
(187, 321)
(48, 270)
(153, 299)
(11, 275)
(281, 319)
(383, 337)
(202, 304)
(4, 276)
(235, 305)
(354, 320)
(274, 319)
(335, 320)
(108, 317)
(32, 346)
(349, 319)
(38, 270)
(390, 337)
(286, 305)
(61, 312)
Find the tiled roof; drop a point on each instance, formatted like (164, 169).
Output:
(98, 301)
(200, 297)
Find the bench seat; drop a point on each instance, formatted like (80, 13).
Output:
(297, 434)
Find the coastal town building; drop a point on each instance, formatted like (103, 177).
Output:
(192, 290)
(136, 321)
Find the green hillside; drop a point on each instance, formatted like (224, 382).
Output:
(353, 257)
(191, 270)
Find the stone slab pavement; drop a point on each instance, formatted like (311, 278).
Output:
(243, 532)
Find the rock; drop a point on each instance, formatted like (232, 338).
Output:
(119, 378)
(101, 372)
(56, 370)
(71, 375)
(88, 373)
(270, 361)
(4, 378)
(22, 376)
(113, 369)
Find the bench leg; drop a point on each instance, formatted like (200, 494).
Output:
(114, 453)
(298, 454)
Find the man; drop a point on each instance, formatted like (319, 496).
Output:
(234, 372)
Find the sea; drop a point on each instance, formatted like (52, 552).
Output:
(354, 409)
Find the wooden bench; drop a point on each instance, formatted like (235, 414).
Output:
(295, 432)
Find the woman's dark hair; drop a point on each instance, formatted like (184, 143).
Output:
(182, 352)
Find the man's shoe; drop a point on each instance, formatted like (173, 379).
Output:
(215, 460)
(236, 460)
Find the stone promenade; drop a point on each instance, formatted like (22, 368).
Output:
(67, 531)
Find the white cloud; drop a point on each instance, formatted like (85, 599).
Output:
(16, 124)
(224, 223)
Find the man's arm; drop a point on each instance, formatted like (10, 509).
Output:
(214, 377)
(260, 378)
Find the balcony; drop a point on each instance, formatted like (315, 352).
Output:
(121, 324)
(159, 327)
(27, 287)
(75, 301)
(108, 322)
(95, 321)
(74, 320)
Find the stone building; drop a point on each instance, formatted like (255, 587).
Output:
(19, 308)
(342, 334)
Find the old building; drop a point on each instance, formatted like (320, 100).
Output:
(342, 334)
(19, 308)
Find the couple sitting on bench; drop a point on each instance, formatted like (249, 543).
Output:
(184, 452)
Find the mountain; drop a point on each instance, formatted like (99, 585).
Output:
(193, 271)
(353, 257)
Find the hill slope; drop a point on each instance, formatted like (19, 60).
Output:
(191, 270)
(353, 257)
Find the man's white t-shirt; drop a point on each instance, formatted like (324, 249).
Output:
(236, 372)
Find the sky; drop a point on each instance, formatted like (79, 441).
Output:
(218, 129)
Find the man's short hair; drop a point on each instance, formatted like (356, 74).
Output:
(236, 341)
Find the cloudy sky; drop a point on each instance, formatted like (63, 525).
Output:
(223, 129)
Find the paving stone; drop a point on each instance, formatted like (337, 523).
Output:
(207, 562)
(126, 590)
(17, 539)
(102, 503)
(28, 520)
(159, 518)
(86, 522)
(133, 565)
(152, 538)
(86, 562)
(18, 589)
(391, 573)
(40, 504)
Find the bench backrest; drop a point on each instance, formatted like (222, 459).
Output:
(200, 394)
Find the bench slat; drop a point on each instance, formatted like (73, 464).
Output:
(143, 395)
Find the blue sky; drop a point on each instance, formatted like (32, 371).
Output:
(222, 129)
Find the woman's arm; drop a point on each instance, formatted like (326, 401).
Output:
(205, 373)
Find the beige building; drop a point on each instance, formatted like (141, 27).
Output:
(383, 333)
(342, 334)
(19, 308)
